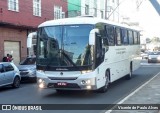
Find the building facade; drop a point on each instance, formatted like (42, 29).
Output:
(74, 8)
(94, 8)
(113, 10)
(20, 17)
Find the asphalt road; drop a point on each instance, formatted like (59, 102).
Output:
(29, 93)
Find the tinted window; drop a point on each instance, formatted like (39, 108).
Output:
(28, 61)
(130, 36)
(154, 53)
(124, 37)
(110, 34)
(118, 36)
(8, 67)
(64, 45)
(138, 38)
(101, 27)
(135, 38)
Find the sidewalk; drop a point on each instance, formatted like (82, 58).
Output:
(147, 94)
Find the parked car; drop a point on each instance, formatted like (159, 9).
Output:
(9, 74)
(154, 57)
(27, 69)
(144, 55)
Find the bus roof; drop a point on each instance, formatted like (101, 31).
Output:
(82, 20)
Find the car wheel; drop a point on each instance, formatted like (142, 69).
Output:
(16, 82)
(105, 87)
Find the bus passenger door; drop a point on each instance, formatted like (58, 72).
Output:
(99, 51)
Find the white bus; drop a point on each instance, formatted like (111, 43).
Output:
(85, 53)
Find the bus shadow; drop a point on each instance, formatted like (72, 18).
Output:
(6, 88)
(71, 94)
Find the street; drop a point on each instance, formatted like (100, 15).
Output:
(29, 93)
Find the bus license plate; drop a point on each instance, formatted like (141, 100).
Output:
(61, 83)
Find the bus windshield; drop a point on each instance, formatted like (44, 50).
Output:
(64, 46)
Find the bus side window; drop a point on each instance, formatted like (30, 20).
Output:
(138, 34)
(110, 35)
(124, 37)
(118, 36)
(130, 36)
(135, 37)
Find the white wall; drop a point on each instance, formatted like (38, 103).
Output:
(100, 7)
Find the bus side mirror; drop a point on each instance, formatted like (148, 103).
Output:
(92, 36)
(29, 39)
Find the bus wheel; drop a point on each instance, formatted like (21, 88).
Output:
(129, 76)
(105, 87)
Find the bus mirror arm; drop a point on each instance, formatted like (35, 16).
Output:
(103, 53)
(92, 36)
(29, 39)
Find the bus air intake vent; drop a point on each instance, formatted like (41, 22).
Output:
(63, 78)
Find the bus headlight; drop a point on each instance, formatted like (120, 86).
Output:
(85, 82)
(86, 71)
(41, 85)
(40, 80)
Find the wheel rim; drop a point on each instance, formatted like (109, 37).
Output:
(17, 82)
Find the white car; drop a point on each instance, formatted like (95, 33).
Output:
(9, 74)
(144, 55)
(27, 69)
(154, 57)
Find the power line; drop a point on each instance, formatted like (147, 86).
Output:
(115, 8)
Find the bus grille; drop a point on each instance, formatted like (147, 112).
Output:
(63, 78)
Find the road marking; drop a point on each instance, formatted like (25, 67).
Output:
(131, 94)
(150, 64)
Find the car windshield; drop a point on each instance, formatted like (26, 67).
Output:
(28, 61)
(154, 53)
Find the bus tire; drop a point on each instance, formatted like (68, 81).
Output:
(129, 76)
(105, 87)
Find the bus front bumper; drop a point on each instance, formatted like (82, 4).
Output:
(79, 84)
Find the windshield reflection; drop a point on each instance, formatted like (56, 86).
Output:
(64, 46)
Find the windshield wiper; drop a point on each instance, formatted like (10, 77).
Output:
(67, 57)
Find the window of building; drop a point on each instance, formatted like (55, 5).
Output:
(101, 14)
(37, 7)
(95, 8)
(95, 12)
(118, 36)
(63, 14)
(13, 5)
(87, 9)
(58, 12)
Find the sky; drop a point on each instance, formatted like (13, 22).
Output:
(146, 15)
